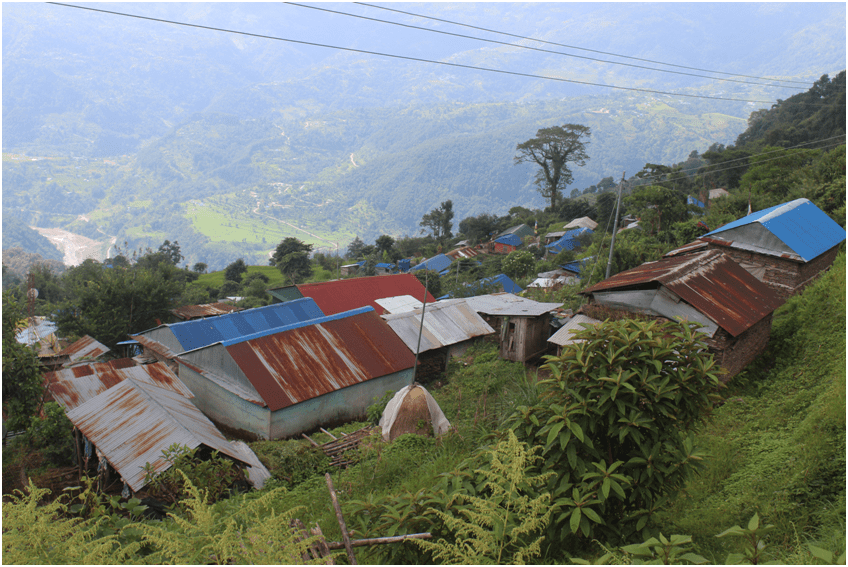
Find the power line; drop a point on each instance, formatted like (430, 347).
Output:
(407, 58)
(574, 47)
(513, 45)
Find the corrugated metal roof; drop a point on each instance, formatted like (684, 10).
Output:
(797, 230)
(399, 304)
(690, 200)
(86, 347)
(445, 323)
(466, 252)
(709, 281)
(188, 312)
(585, 222)
(717, 193)
(564, 335)
(506, 304)
(503, 281)
(72, 387)
(438, 263)
(201, 332)
(338, 296)
(696, 246)
(509, 239)
(577, 265)
(296, 365)
(132, 422)
(520, 230)
(42, 329)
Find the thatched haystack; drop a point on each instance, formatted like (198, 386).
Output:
(413, 410)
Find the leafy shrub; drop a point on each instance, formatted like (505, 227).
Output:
(291, 462)
(615, 423)
(215, 474)
(375, 411)
(52, 435)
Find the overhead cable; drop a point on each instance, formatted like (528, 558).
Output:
(407, 58)
(575, 47)
(513, 45)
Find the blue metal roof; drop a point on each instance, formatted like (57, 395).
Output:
(438, 263)
(799, 224)
(202, 332)
(509, 239)
(690, 200)
(568, 241)
(298, 325)
(576, 265)
(503, 280)
(385, 265)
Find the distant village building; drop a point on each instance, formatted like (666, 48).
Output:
(785, 246)
(338, 296)
(437, 263)
(568, 241)
(521, 231)
(506, 244)
(582, 222)
(284, 381)
(553, 280)
(718, 193)
(706, 287)
(523, 326)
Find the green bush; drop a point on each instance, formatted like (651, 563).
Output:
(52, 435)
(291, 462)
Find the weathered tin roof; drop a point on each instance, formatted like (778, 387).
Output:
(466, 252)
(709, 281)
(445, 323)
(338, 296)
(564, 335)
(797, 230)
(306, 360)
(42, 329)
(86, 347)
(520, 230)
(71, 387)
(696, 246)
(132, 422)
(201, 332)
(399, 304)
(585, 222)
(506, 304)
(188, 312)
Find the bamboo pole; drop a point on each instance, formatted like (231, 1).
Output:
(378, 540)
(305, 436)
(351, 557)
(328, 433)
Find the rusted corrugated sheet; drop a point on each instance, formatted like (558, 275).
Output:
(339, 296)
(302, 363)
(709, 281)
(188, 312)
(86, 347)
(74, 386)
(131, 423)
(154, 346)
(696, 246)
(466, 252)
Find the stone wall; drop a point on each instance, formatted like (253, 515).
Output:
(735, 353)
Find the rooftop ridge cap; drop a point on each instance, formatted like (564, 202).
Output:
(782, 209)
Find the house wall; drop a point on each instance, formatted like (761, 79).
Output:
(734, 354)
(524, 337)
(501, 248)
(342, 405)
(786, 277)
(226, 408)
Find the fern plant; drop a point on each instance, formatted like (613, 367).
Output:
(504, 524)
(253, 533)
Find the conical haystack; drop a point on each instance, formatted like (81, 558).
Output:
(413, 410)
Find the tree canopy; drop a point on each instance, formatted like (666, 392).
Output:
(552, 150)
(292, 259)
(440, 220)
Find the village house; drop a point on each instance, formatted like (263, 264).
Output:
(706, 287)
(522, 325)
(448, 329)
(285, 381)
(582, 222)
(338, 296)
(785, 246)
(506, 244)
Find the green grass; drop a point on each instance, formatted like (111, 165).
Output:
(777, 444)
(216, 279)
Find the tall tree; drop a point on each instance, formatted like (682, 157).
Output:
(292, 259)
(552, 150)
(22, 383)
(440, 220)
(235, 271)
(172, 251)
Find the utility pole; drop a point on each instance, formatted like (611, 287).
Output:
(615, 225)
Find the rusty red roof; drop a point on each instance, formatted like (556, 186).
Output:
(338, 296)
(71, 387)
(709, 281)
(154, 346)
(313, 359)
(188, 312)
(86, 347)
(132, 422)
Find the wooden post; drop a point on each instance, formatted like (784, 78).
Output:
(378, 540)
(78, 450)
(340, 518)
(328, 433)
(305, 436)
